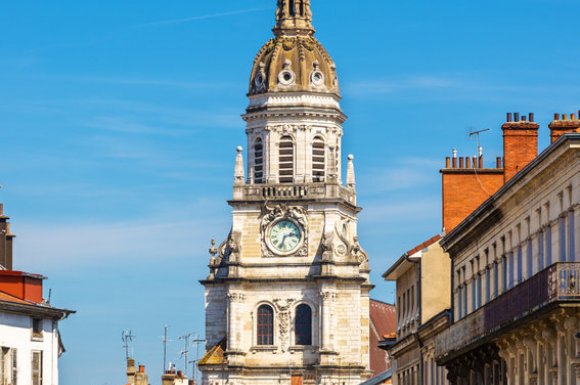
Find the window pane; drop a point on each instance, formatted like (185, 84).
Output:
(265, 325)
(303, 325)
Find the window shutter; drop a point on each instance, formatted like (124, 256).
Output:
(36, 368)
(14, 360)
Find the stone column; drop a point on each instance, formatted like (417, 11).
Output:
(235, 327)
(328, 298)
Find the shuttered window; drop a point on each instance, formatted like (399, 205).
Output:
(318, 159)
(258, 161)
(36, 368)
(14, 367)
(286, 160)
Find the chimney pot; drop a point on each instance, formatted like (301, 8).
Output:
(498, 162)
(1, 209)
(524, 118)
(565, 117)
(509, 117)
(516, 116)
(573, 117)
(467, 162)
(480, 162)
(447, 162)
(141, 368)
(461, 162)
(532, 117)
(556, 116)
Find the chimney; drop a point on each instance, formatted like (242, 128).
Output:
(520, 143)
(5, 241)
(559, 127)
(466, 185)
(131, 371)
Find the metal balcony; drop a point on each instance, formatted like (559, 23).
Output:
(556, 284)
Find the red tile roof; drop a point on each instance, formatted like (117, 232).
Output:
(424, 245)
(5, 297)
(383, 323)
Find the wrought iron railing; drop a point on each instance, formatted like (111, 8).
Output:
(557, 283)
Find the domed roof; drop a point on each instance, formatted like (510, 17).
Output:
(294, 60)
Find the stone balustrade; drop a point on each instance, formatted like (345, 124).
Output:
(273, 192)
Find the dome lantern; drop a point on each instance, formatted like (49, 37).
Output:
(293, 17)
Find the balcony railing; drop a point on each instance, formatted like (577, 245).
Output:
(274, 192)
(557, 283)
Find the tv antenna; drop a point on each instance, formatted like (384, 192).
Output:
(185, 352)
(477, 134)
(165, 341)
(127, 337)
(197, 341)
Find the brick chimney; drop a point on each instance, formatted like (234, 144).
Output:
(466, 185)
(6, 242)
(520, 143)
(560, 126)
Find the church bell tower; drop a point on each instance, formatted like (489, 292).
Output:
(287, 296)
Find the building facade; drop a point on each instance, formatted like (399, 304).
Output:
(30, 342)
(516, 299)
(287, 297)
(423, 302)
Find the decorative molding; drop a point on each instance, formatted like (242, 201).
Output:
(273, 214)
(236, 297)
(283, 307)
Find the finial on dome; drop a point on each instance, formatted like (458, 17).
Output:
(239, 174)
(294, 17)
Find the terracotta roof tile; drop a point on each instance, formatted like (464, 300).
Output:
(383, 322)
(5, 297)
(424, 245)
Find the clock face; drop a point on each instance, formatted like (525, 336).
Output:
(285, 236)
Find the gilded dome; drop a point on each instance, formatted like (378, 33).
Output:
(294, 60)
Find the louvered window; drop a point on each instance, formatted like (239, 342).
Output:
(286, 168)
(318, 159)
(258, 161)
(303, 325)
(37, 368)
(265, 325)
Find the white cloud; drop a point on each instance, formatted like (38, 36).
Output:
(200, 17)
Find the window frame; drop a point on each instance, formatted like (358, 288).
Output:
(265, 337)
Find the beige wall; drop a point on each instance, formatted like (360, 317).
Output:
(435, 282)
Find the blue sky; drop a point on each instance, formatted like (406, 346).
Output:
(119, 122)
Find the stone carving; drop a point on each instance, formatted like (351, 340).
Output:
(283, 310)
(341, 243)
(236, 297)
(272, 214)
(288, 128)
(227, 251)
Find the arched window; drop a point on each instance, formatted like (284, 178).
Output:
(303, 325)
(302, 9)
(265, 325)
(318, 159)
(286, 159)
(258, 161)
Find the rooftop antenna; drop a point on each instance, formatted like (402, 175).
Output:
(478, 134)
(127, 337)
(197, 341)
(185, 352)
(165, 341)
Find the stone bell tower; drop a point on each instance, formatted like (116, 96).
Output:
(287, 296)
